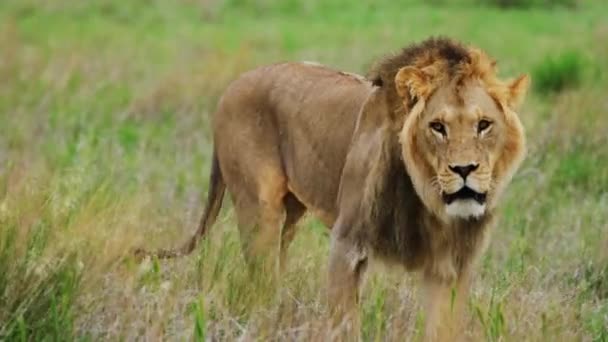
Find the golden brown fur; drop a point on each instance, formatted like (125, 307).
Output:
(384, 162)
(281, 134)
(398, 169)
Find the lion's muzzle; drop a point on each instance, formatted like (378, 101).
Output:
(465, 203)
(465, 193)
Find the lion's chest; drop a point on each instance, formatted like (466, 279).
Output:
(442, 251)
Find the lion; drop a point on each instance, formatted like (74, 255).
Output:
(406, 165)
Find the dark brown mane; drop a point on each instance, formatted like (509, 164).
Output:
(453, 53)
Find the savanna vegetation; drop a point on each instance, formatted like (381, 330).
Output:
(105, 145)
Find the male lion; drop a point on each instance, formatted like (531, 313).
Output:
(406, 166)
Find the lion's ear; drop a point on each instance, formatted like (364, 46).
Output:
(517, 91)
(412, 83)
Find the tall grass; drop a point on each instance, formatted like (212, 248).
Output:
(105, 144)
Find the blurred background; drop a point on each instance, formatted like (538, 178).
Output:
(105, 146)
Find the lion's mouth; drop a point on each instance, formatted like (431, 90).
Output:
(464, 194)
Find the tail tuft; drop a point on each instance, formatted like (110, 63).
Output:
(217, 188)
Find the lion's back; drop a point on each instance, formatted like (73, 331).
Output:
(301, 113)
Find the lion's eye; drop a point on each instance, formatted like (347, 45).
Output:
(483, 125)
(438, 127)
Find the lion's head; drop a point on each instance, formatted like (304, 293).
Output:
(460, 137)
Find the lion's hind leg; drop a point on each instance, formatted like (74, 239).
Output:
(261, 214)
(294, 211)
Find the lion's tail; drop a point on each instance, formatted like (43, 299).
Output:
(217, 187)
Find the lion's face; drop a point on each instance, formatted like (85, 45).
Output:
(462, 139)
(461, 148)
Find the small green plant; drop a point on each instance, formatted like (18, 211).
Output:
(556, 73)
(493, 320)
(200, 321)
(596, 323)
(531, 3)
(592, 279)
(374, 317)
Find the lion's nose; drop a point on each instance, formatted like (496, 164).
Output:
(464, 170)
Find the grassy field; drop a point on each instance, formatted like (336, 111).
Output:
(105, 146)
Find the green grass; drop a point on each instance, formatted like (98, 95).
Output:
(556, 73)
(105, 146)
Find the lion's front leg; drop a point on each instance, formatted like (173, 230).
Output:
(444, 303)
(347, 264)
